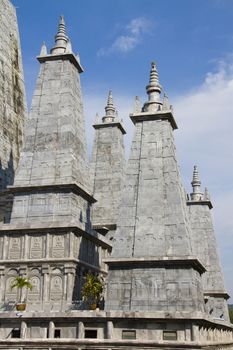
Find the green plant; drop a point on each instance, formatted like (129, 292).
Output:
(21, 283)
(92, 289)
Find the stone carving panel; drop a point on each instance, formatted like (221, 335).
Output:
(10, 294)
(36, 247)
(1, 247)
(58, 246)
(34, 295)
(56, 288)
(15, 245)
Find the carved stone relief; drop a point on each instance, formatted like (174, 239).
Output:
(58, 245)
(15, 247)
(36, 247)
(56, 288)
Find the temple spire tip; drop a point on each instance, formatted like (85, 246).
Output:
(196, 195)
(61, 39)
(109, 109)
(153, 90)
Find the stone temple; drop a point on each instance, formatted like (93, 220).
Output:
(130, 222)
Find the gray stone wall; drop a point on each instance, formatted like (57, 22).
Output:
(12, 100)
(55, 150)
(204, 245)
(55, 262)
(108, 165)
(152, 224)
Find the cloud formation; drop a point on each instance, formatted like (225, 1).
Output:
(130, 39)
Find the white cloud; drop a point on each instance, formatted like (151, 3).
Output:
(205, 119)
(130, 39)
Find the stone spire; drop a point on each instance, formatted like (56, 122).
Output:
(206, 195)
(205, 247)
(153, 90)
(43, 51)
(109, 109)
(153, 232)
(196, 195)
(166, 104)
(107, 168)
(137, 105)
(61, 39)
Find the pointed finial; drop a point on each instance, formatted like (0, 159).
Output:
(43, 50)
(166, 104)
(206, 195)
(69, 47)
(61, 38)
(153, 90)
(109, 109)
(137, 105)
(97, 120)
(196, 195)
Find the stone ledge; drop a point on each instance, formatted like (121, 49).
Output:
(54, 227)
(160, 115)
(200, 203)
(110, 124)
(65, 56)
(217, 294)
(158, 261)
(64, 187)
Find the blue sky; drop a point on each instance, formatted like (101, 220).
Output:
(192, 43)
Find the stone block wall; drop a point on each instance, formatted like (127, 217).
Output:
(12, 100)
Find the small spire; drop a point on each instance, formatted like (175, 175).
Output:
(137, 105)
(109, 109)
(97, 119)
(61, 38)
(166, 104)
(43, 51)
(206, 195)
(69, 47)
(153, 90)
(196, 195)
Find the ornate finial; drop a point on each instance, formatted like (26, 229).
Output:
(109, 109)
(43, 50)
(61, 38)
(137, 105)
(196, 195)
(153, 90)
(206, 195)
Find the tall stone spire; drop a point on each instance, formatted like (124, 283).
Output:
(153, 90)
(61, 39)
(109, 109)
(196, 195)
(108, 166)
(52, 189)
(153, 233)
(205, 247)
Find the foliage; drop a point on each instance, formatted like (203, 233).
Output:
(230, 308)
(21, 282)
(93, 288)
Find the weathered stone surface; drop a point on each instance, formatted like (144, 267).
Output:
(108, 166)
(12, 101)
(153, 222)
(205, 247)
(49, 237)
